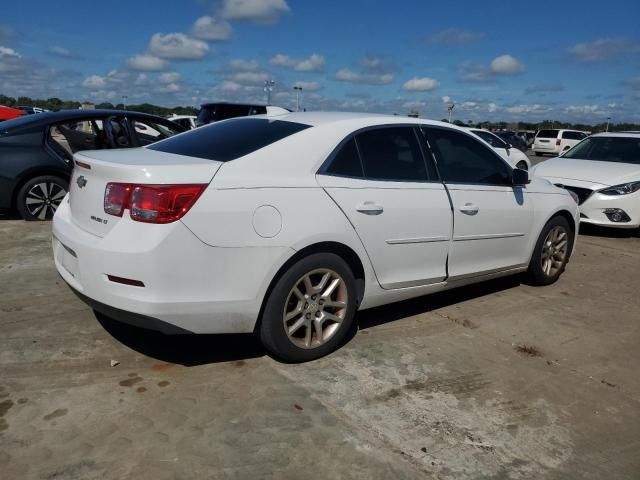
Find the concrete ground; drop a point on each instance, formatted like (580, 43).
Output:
(499, 380)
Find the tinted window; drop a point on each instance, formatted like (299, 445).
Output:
(462, 159)
(346, 161)
(573, 135)
(205, 116)
(490, 138)
(224, 112)
(547, 134)
(607, 149)
(149, 132)
(229, 140)
(391, 154)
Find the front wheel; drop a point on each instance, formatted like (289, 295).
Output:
(551, 253)
(39, 197)
(310, 310)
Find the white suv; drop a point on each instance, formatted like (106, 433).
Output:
(556, 141)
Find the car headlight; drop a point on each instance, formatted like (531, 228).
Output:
(622, 189)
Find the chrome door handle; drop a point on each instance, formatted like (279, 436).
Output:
(469, 209)
(370, 208)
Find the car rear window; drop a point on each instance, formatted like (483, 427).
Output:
(547, 134)
(228, 140)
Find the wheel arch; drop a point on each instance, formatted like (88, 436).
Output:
(342, 250)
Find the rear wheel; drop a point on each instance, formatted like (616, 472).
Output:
(39, 197)
(551, 252)
(310, 309)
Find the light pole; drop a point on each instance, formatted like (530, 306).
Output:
(298, 89)
(268, 88)
(450, 108)
(608, 120)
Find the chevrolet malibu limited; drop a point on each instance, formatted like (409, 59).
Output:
(287, 226)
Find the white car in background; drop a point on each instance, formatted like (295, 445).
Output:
(186, 121)
(286, 227)
(604, 172)
(515, 157)
(556, 141)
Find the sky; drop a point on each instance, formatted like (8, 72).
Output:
(575, 61)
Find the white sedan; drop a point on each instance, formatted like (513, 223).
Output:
(515, 157)
(286, 227)
(603, 171)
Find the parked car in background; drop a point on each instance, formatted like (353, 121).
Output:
(556, 141)
(515, 157)
(214, 112)
(8, 113)
(287, 226)
(186, 121)
(527, 136)
(514, 140)
(32, 110)
(36, 151)
(603, 171)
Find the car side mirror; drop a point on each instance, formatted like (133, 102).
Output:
(519, 177)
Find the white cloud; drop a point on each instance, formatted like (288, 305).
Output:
(446, 99)
(423, 84)
(506, 65)
(169, 77)
(94, 81)
(141, 79)
(528, 109)
(250, 78)
(239, 65)
(308, 86)
(585, 110)
(314, 63)
(212, 29)
(603, 49)
(346, 75)
(260, 11)
(177, 46)
(453, 36)
(169, 88)
(8, 52)
(147, 62)
(61, 52)
(492, 107)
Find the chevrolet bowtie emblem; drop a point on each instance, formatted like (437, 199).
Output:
(81, 181)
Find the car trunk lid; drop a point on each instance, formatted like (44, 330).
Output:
(95, 169)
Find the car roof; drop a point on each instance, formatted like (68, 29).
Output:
(618, 134)
(214, 104)
(45, 118)
(324, 118)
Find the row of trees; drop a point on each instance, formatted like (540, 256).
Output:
(58, 104)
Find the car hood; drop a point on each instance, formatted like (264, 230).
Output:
(590, 171)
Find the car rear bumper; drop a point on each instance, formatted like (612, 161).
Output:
(186, 285)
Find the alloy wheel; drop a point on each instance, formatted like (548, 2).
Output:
(42, 200)
(554, 251)
(315, 308)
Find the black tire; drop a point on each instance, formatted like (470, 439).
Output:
(272, 327)
(39, 197)
(522, 165)
(535, 273)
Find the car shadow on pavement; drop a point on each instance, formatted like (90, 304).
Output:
(188, 350)
(597, 231)
(396, 311)
(193, 350)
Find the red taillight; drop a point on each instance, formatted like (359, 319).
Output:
(116, 198)
(151, 203)
(557, 142)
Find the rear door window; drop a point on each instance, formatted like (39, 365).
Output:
(346, 162)
(70, 137)
(548, 134)
(392, 153)
(225, 141)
